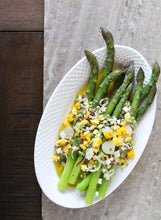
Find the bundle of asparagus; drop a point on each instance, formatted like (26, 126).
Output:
(98, 131)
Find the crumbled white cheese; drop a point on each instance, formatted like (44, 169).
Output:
(92, 127)
(117, 154)
(95, 121)
(102, 109)
(89, 153)
(99, 134)
(125, 108)
(59, 151)
(108, 161)
(103, 170)
(99, 181)
(118, 121)
(100, 126)
(77, 126)
(106, 176)
(107, 128)
(95, 132)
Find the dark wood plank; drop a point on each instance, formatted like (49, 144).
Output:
(21, 15)
(21, 87)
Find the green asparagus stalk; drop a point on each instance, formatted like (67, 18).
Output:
(136, 98)
(147, 102)
(110, 52)
(82, 186)
(71, 159)
(63, 181)
(154, 78)
(90, 194)
(129, 77)
(103, 187)
(101, 92)
(117, 84)
(122, 101)
(93, 76)
(76, 170)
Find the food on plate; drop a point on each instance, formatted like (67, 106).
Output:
(97, 135)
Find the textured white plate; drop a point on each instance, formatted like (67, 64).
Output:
(57, 109)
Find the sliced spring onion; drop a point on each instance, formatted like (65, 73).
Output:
(68, 132)
(108, 147)
(129, 130)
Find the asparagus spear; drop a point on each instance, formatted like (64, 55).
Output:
(128, 79)
(135, 102)
(103, 187)
(154, 78)
(147, 103)
(101, 92)
(110, 52)
(76, 170)
(119, 80)
(82, 186)
(92, 187)
(125, 96)
(63, 181)
(117, 84)
(93, 76)
(62, 184)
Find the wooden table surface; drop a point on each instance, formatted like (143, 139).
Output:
(21, 92)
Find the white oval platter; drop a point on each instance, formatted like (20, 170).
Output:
(57, 109)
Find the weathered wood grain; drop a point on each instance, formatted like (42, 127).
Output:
(21, 66)
(21, 15)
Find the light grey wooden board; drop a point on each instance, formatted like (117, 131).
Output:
(72, 26)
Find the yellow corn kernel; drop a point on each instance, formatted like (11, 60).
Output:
(66, 150)
(69, 118)
(123, 124)
(84, 167)
(116, 127)
(131, 153)
(122, 131)
(95, 149)
(82, 146)
(77, 133)
(97, 142)
(118, 141)
(68, 146)
(62, 142)
(127, 115)
(84, 122)
(100, 117)
(91, 161)
(74, 111)
(55, 158)
(77, 106)
(108, 135)
(88, 136)
(85, 143)
(86, 116)
(66, 123)
(95, 122)
(122, 160)
(127, 139)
